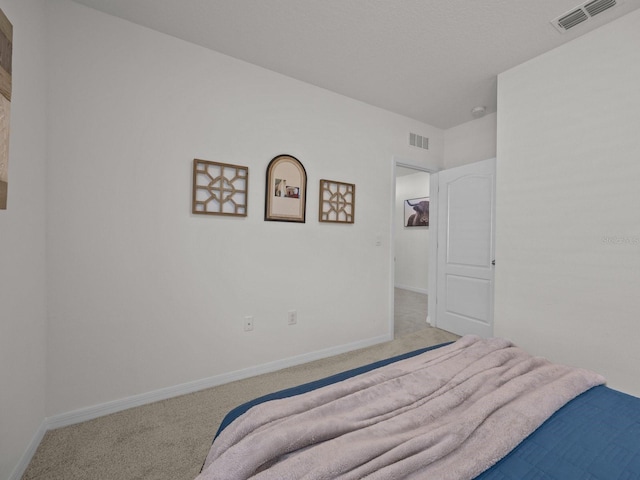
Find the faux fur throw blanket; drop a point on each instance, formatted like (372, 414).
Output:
(449, 413)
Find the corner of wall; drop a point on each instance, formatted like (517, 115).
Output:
(23, 251)
(471, 141)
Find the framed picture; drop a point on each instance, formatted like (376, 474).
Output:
(286, 190)
(6, 46)
(337, 202)
(416, 212)
(219, 188)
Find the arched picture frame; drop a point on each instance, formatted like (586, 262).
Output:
(286, 190)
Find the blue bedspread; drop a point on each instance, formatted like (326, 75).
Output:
(596, 436)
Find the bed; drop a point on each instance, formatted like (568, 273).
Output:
(475, 408)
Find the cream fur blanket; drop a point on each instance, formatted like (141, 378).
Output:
(449, 413)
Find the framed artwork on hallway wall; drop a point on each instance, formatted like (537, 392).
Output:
(416, 212)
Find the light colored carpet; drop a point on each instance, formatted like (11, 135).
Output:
(410, 312)
(169, 440)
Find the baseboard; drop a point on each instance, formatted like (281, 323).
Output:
(28, 454)
(95, 411)
(413, 289)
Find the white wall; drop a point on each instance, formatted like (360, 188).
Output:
(145, 295)
(568, 228)
(22, 242)
(470, 142)
(411, 243)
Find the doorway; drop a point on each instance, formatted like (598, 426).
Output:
(461, 301)
(465, 257)
(411, 249)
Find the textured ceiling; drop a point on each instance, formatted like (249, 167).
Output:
(429, 60)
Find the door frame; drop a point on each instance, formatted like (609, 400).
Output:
(433, 230)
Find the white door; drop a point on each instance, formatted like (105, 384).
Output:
(466, 228)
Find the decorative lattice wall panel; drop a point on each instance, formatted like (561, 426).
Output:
(337, 202)
(6, 48)
(220, 188)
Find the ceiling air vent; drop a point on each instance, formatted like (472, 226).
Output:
(573, 19)
(597, 6)
(581, 13)
(419, 141)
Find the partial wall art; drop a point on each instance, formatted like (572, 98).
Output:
(220, 188)
(337, 202)
(6, 48)
(285, 193)
(416, 212)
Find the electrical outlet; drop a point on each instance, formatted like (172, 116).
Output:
(292, 317)
(248, 323)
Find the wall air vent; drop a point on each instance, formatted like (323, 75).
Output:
(419, 141)
(581, 13)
